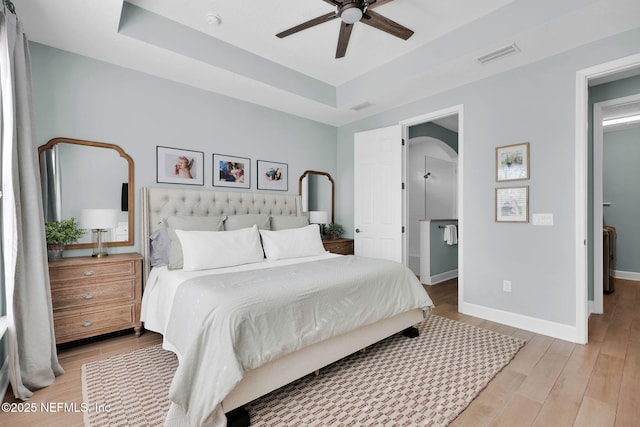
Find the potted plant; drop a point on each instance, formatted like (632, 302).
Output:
(333, 231)
(59, 234)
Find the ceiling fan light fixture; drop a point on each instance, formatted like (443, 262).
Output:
(350, 13)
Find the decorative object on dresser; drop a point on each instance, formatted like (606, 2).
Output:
(333, 231)
(94, 296)
(339, 246)
(59, 234)
(321, 218)
(99, 221)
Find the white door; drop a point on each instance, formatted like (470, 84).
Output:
(378, 193)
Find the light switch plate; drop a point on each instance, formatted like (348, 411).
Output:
(542, 219)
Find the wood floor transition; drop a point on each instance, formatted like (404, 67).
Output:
(549, 383)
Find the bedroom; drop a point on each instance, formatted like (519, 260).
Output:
(77, 95)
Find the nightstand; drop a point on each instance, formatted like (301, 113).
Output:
(94, 296)
(339, 246)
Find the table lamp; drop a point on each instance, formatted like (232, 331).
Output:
(99, 221)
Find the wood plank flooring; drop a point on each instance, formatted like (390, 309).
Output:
(549, 383)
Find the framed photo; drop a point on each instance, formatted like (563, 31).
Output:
(512, 162)
(230, 171)
(179, 166)
(512, 204)
(273, 176)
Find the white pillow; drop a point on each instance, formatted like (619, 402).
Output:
(214, 249)
(292, 242)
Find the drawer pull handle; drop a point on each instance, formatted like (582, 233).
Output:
(88, 296)
(89, 273)
(87, 323)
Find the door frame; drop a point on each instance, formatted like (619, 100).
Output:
(598, 196)
(581, 183)
(424, 118)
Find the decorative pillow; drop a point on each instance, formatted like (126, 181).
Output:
(160, 247)
(236, 222)
(292, 243)
(286, 222)
(214, 249)
(203, 223)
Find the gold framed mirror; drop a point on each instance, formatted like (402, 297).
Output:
(317, 191)
(77, 174)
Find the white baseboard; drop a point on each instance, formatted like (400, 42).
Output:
(438, 278)
(4, 377)
(627, 275)
(538, 326)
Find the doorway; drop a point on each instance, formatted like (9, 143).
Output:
(433, 143)
(610, 71)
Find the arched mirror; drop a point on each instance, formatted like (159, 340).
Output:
(77, 174)
(317, 192)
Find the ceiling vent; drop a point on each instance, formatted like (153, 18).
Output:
(498, 53)
(362, 106)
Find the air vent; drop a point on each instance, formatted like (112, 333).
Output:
(498, 53)
(362, 106)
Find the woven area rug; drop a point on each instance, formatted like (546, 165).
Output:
(426, 381)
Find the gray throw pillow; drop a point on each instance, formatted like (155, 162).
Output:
(189, 223)
(236, 222)
(286, 222)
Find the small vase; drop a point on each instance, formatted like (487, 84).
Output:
(54, 252)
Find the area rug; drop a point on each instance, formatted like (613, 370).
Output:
(425, 381)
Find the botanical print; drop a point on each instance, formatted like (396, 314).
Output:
(512, 204)
(512, 162)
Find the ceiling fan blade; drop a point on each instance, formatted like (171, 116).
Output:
(311, 23)
(333, 2)
(376, 3)
(380, 22)
(343, 39)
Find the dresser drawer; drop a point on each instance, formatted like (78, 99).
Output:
(72, 325)
(70, 294)
(88, 271)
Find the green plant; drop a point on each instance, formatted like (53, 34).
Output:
(62, 232)
(334, 231)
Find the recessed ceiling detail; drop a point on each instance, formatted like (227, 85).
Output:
(350, 12)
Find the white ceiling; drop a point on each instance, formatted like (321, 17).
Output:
(242, 58)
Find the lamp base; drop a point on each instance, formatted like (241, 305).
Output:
(99, 237)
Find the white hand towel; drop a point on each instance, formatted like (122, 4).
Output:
(451, 234)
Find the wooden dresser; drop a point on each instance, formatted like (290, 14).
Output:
(94, 296)
(339, 246)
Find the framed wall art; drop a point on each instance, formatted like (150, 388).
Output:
(179, 166)
(230, 171)
(512, 162)
(512, 204)
(273, 176)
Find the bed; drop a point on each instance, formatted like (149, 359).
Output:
(383, 298)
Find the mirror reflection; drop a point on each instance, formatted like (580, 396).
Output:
(317, 192)
(80, 175)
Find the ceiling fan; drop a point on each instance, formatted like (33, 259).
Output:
(350, 12)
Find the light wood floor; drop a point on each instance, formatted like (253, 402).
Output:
(549, 383)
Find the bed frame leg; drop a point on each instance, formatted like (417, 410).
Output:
(411, 332)
(238, 417)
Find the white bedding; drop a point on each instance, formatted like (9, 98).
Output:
(222, 325)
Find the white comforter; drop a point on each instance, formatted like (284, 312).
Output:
(223, 325)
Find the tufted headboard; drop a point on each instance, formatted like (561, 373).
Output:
(158, 203)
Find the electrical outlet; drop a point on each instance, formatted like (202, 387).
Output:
(506, 285)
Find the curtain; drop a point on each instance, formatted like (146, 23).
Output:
(33, 361)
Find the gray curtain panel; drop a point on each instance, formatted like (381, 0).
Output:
(33, 360)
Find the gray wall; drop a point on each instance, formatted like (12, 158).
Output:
(78, 97)
(534, 103)
(443, 257)
(431, 129)
(621, 187)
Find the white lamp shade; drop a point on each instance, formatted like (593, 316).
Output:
(91, 219)
(318, 217)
